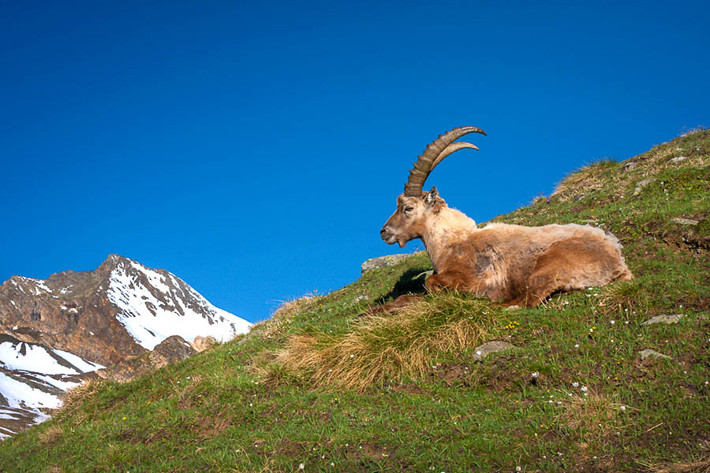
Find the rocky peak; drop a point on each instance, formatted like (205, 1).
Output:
(118, 310)
(56, 332)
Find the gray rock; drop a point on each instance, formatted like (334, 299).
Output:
(648, 353)
(578, 197)
(491, 347)
(643, 184)
(382, 262)
(630, 166)
(685, 221)
(679, 159)
(664, 319)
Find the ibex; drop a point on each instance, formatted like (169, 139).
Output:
(511, 264)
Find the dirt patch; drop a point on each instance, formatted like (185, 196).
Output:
(407, 389)
(368, 451)
(291, 449)
(453, 373)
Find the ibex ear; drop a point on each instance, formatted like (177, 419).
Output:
(430, 198)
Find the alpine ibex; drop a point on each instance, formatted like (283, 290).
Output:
(513, 264)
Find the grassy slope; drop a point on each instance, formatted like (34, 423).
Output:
(268, 402)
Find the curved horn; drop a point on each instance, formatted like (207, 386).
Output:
(432, 155)
(452, 148)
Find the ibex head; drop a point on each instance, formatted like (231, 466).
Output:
(414, 206)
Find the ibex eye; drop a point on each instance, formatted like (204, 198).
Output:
(408, 209)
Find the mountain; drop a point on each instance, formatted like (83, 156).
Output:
(55, 333)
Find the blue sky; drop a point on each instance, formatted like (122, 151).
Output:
(255, 149)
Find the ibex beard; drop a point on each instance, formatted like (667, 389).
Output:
(511, 264)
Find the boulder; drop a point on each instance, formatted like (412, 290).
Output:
(170, 350)
(648, 353)
(491, 347)
(664, 319)
(382, 262)
(685, 221)
(640, 185)
(201, 344)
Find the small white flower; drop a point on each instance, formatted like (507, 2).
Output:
(612, 322)
(352, 356)
(517, 468)
(478, 353)
(536, 374)
(623, 408)
(576, 345)
(575, 384)
(301, 466)
(584, 389)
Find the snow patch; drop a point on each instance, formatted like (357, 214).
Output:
(151, 316)
(78, 362)
(58, 383)
(29, 357)
(19, 394)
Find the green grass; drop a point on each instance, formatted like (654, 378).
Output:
(413, 397)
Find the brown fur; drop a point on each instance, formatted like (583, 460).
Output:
(521, 266)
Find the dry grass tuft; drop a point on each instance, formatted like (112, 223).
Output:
(75, 397)
(284, 315)
(50, 435)
(391, 346)
(626, 296)
(700, 466)
(594, 416)
(588, 178)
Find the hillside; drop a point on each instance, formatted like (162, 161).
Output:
(589, 384)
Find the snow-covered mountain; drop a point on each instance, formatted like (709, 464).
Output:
(54, 333)
(154, 304)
